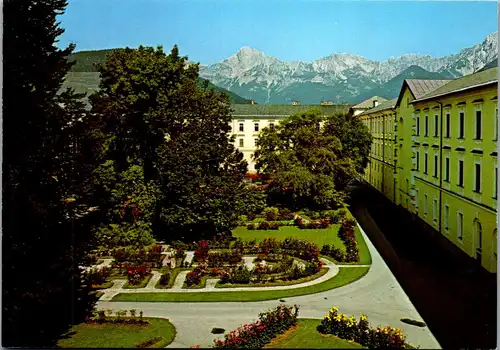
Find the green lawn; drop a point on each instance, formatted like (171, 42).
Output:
(305, 336)
(345, 276)
(118, 336)
(319, 236)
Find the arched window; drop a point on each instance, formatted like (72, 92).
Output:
(478, 238)
(495, 245)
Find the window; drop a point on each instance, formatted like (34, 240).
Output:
(425, 204)
(435, 165)
(436, 123)
(461, 173)
(446, 217)
(418, 125)
(271, 126)
(447, 169)
(478, 125)
(425, 162)
(495, 127)
(434, 210)
(241, 142)
(477, 177)
(426, 126)
(495, 189)
(241, 127)
(256, 127)
(460, 226)
(448, 126)
(418, 159)
(461, 120)
(255, 140)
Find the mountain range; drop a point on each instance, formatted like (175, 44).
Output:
(339, 77)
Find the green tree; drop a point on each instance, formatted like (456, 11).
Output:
(308, 166)
(156, 115)
(45, 217)
(355, 138)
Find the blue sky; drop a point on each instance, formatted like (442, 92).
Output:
(208, 31)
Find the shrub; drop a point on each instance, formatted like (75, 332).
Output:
(243, 218)
(344, 327)
(264, 225)
(164, 279)
(256, 335)
(337, 255)
(325, 250)
(251, 216)
(250, 226)
(241, 274)
(98, 276)
(193, 278)
(271, 213)
(274, 226)
(217, 330)
(136, 274)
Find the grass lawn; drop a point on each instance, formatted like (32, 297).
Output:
(119, 336)
(345, 276)
(305, 336)
(319, 236)
(276, 283)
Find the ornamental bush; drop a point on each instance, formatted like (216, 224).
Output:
(342, 326)
(164, 279)
(241, 274)
(271, 213)
(257, 334)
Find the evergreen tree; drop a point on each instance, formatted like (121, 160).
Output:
(45, 220)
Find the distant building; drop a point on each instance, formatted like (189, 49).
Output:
(295, 103)
(366, 105)
(249, 120)
(326, 103)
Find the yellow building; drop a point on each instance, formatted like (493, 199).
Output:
(380, 170)
(444, 158)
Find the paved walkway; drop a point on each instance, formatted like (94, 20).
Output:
(378, 295)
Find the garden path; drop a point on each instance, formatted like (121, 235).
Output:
(211, 282)
(154, 280)
(189, 257)
(179, 281)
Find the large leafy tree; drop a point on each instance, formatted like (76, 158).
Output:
(308, 164)
(48, 154)
(355, 138)
(156, 116)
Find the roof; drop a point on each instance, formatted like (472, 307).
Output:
(381, 107)
(486, 77)
(420, 87)
(369, 103)
(248, 110)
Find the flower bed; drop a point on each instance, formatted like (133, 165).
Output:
(344, 327)
(347, 234)
(256, 335)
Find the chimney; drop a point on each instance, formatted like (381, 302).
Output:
(375, 103)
